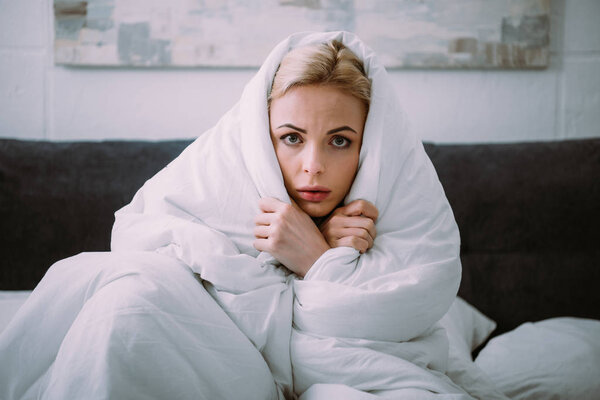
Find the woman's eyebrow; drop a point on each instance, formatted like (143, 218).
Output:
(330, 132)
(293, 127)
(341, 128)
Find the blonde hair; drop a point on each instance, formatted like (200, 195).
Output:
(329, 63)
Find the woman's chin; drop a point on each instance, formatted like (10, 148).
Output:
(314, 209)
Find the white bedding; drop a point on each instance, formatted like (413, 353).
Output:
(374, 314)
(10, 301)
(127, 326)
(557, 358)
(136, 320)
(522, 368)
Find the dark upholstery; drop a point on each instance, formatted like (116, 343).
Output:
(529, 215)
(59, 199)
(529, 218)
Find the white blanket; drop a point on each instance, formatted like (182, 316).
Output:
(356, 325)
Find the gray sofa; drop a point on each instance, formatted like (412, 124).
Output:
(528, 213)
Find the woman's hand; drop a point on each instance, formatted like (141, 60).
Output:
(289, 235)
(352, 226)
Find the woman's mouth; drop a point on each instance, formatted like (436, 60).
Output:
(313, 193)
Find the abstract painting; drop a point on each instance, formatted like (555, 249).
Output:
(240, 33)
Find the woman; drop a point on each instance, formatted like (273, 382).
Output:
(317, 111)
(250, 266)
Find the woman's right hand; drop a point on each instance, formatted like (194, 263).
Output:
(352, 226)
(288, 234)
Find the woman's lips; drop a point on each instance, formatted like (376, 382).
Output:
(314, 193)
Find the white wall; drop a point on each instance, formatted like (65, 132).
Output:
(41, 101)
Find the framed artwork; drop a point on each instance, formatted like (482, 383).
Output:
(240, 33)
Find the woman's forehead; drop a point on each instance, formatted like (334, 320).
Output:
(324, 104)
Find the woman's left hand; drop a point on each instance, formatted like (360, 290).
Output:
(289, 235)
(352, 226)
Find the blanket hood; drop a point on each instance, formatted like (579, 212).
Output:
(386, 137)
(378, 310)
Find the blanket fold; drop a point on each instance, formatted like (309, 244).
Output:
(367, 321)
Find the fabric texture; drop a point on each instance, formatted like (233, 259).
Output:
(467, 328)
(132, 325)
(367, 322)
(10, 302)
(558, 358)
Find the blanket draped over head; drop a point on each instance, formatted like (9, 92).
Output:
(356, 325)
(355, 322)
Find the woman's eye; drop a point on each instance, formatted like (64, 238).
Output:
(340, 141)
(291, 138)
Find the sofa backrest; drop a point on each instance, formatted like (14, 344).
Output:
(529, 218)
(528, 213)
(58, 199)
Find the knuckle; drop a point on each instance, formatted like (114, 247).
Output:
(337, 221)
(362, 206)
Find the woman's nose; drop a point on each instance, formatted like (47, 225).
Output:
(313, 161)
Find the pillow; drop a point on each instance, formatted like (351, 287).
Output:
(557, 358)
(466, 326)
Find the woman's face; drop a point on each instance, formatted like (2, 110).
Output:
(317, 133)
